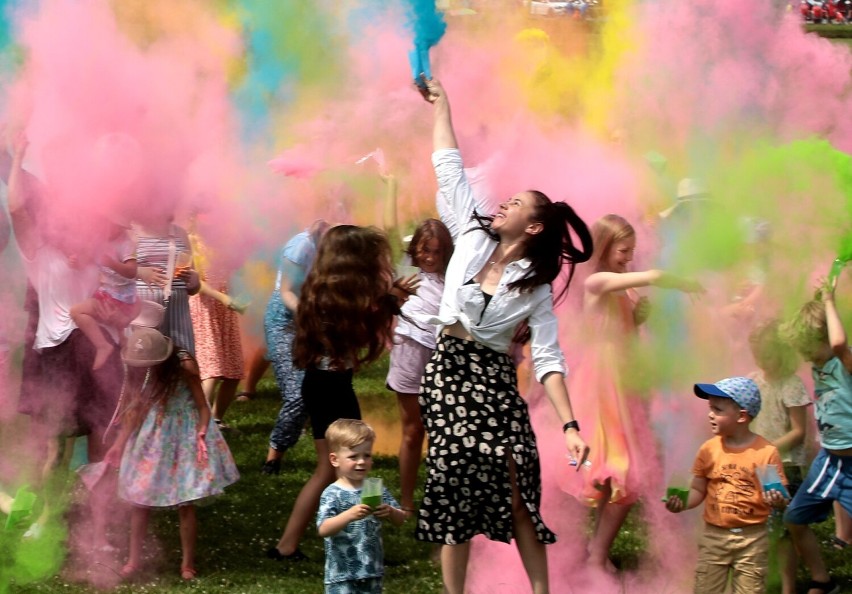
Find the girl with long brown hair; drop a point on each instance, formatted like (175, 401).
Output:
(344, 320)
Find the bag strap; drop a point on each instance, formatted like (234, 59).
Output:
(170, 270)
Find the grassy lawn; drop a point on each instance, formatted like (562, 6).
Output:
(236, 530)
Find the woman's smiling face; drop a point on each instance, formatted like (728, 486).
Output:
(514, 215)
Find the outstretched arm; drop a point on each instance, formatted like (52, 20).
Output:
(697, 493)
(607, 282)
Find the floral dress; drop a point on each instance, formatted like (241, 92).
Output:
(160, 466)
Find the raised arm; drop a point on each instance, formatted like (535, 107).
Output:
(443, 135)
(390, 219)
(836, 332)
(22, 223)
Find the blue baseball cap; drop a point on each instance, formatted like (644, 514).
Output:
(741, 390)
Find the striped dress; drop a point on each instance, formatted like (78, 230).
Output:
(177, 323)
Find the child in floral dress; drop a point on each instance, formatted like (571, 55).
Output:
(169, 453)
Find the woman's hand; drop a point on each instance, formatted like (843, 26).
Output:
(431, 90)
(577, 448)
(152, 276)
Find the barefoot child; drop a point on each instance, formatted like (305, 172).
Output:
(114, 303)
(735, 537)
(354, 557)
(345, 319)
(170, 453)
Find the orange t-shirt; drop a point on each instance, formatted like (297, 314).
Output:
(734, 494)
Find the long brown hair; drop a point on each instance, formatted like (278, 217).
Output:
(345, 312)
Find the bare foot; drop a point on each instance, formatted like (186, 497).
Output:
(101, 356)
(604, 564)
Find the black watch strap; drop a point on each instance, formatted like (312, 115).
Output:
(570, 425)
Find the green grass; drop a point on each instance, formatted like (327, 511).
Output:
(236, 529)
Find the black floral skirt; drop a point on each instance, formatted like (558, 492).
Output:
(475, 419)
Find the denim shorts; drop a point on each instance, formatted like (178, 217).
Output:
(828, 480)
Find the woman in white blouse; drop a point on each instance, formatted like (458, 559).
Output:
(483, 466)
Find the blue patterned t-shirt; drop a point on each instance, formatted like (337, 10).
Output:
(833, 390)
(355, 552)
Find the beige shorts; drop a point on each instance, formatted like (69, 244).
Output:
(742, 551)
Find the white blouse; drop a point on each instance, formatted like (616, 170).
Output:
(420, 309)
(495, 325)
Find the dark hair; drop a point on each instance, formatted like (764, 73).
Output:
(551, 248)
(426, 231)
(345, 311)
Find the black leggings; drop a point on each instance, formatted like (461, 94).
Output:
(329, 396)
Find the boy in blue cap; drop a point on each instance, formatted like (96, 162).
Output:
(735, 536)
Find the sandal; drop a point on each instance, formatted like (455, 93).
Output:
(297, 555)
(838, 543)
(271, 467)
(188, 573)
(829, 587)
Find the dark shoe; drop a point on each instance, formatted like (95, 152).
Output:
(838, 543)
(296, 555)
(271, 467)
(829, 587)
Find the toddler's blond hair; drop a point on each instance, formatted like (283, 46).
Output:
(348, 433)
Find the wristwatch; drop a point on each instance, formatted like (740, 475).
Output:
(570, 425)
